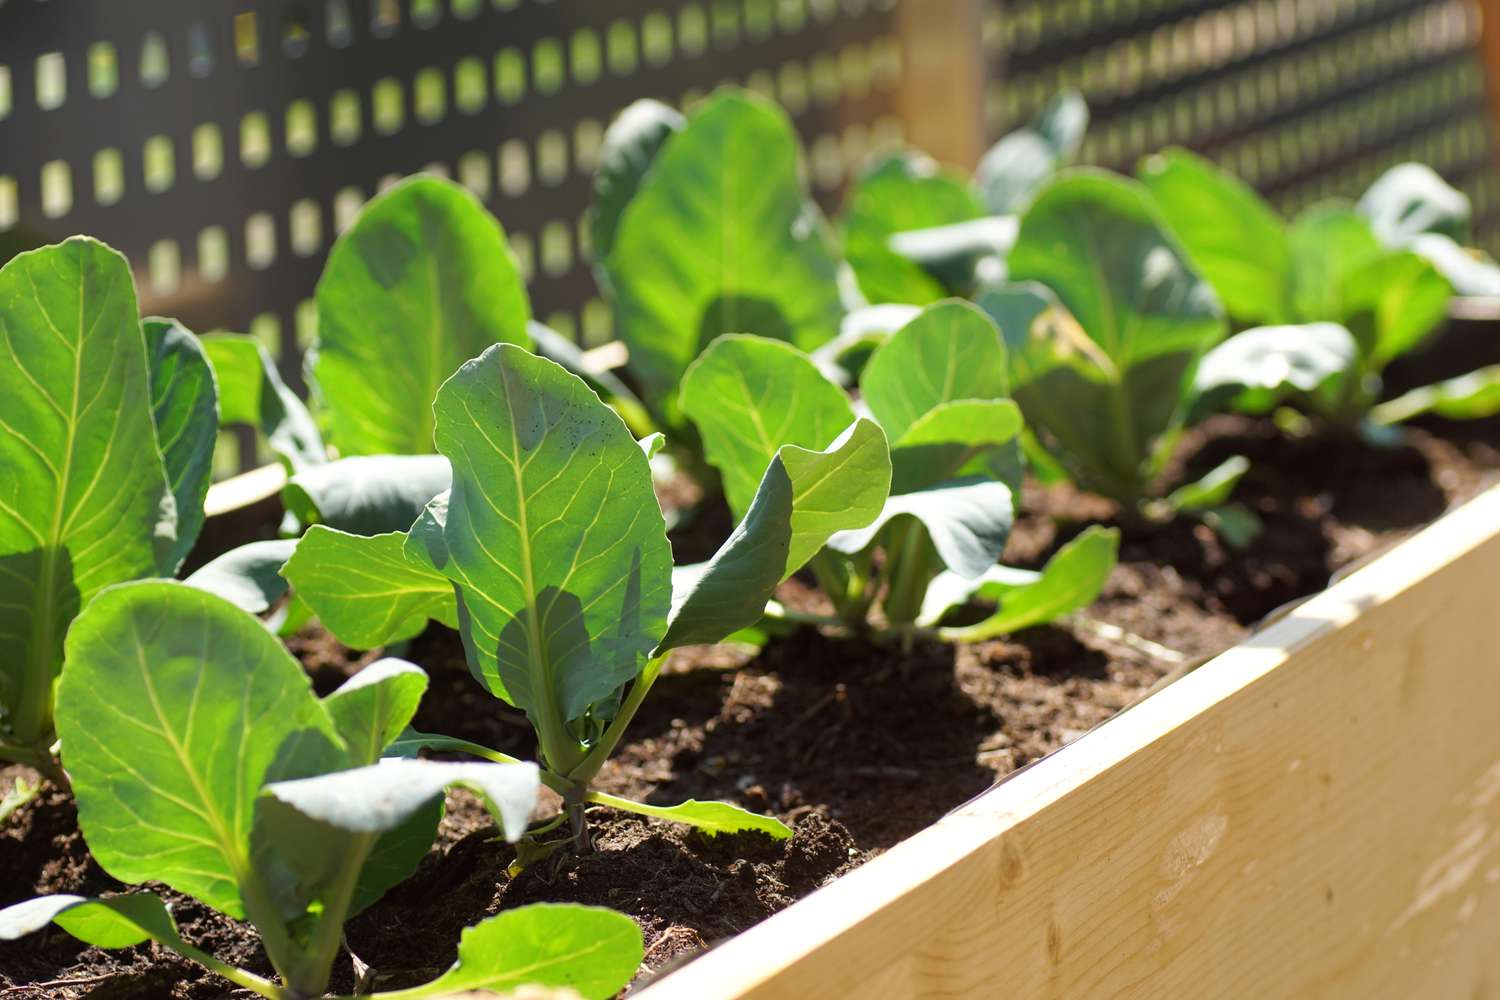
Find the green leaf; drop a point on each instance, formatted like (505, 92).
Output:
(369, 591)
(555, 347)
(1069, 582)
(721, 237)
(960, 255)
(950, 351)
(380, 797)
(249, 577)
(185, 409)
(553, 534)
(1410, 199)
(1467, 397)
(1236, 524)
(967, 521)
(584, 948)
(901, 193)
(1104, 379)
(174, 709)
(967, 437)
(1391, 304)
(423, 281)
(1213, 488)
(251, 392)
(1018, 165)
(1328, 242)
(749, 396)
(367, 494)
(1258, 370)
(370, 709)
(114, 922)
(84, 498)
(1231, 235)
(804, 498)
(629, 148)
(711, 818)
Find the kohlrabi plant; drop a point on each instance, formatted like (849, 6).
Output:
(1105, 323)
(915, 233)
(704, 226)
(1329, 300)
(107, 429)
(938, 388)
(549, 553)
(201, 759)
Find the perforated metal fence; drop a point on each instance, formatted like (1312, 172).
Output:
(1305, 99)
(222, 144)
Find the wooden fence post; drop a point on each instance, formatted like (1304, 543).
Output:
(1489, 49)
(941, 95)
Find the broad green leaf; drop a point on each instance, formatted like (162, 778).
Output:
(1329, 242)
(555, 347)
(1391, 304)
(712, 818)
(584, 948)
(1213, 488)
(1410, 199)
(1105, 378)
(749, 396)
(251, 392)
(185, 409)
(1466, 397)
(1020, 163)
(249, 577)
(367, 494)
(629, 147)
(367, 589)
(370, 709)
(966, 520)
(113, 922)
(174, 709)
(1233, 238)
(950, 351)
(804, 498)
(1236, 524)
(423, 281)
(721, 237)
(967, 437)
(380, 797)
(960, 255)
(553, 534)
(1258, 370)
(84, 498)
(903, 192)
(1069, 582)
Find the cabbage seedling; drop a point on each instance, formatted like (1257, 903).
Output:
(938, 388)
(550, 554)
(202, 759)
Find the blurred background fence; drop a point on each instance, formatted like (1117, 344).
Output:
(222, 144)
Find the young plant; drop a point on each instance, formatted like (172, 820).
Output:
(1328, 302)
(550, 554)
(915, 234)
(1410, 207)
(107, 429)
(705, 227)
(938, 388)
(1104, 327)
(202, 759)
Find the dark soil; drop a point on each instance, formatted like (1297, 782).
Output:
(854, 744)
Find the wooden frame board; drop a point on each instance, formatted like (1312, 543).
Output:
(1314, 813)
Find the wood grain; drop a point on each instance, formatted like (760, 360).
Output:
(1315, 813)
(941, 94)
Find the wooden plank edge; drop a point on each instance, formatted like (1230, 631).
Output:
(749, 962)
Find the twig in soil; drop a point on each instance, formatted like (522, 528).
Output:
(24, 988)
(1140, 644)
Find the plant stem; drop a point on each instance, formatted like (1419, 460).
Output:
(588, 768)
(311, 974)
(238, 976)
(780, 613)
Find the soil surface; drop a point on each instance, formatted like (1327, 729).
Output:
(855, 745)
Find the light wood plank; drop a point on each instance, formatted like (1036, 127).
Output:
(245, 489)
(1316, 813)
(941, 94)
